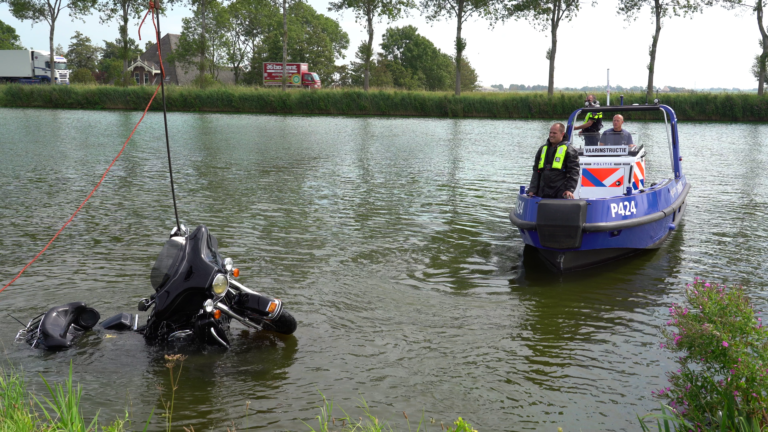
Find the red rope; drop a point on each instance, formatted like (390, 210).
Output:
(151, 9)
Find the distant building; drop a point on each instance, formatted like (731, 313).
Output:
(146, 68)
(145, 72)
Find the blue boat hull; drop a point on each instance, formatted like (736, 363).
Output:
(613, 227)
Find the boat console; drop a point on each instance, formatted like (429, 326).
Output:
(607, 171)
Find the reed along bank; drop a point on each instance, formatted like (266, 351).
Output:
(688, 106)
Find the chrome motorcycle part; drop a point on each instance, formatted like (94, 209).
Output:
(245, 321)
(229, 264)
(208, 306)
(217, 338)
(180, 335)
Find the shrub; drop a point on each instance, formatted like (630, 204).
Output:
(82, 76)
(205, 81)
(722, 347)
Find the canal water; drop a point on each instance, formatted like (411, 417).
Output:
(388, 239)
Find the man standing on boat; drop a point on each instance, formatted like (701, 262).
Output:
(617, 135)
(555, 167)
(593, 122)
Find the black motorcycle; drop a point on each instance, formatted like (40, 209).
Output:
(196, 296)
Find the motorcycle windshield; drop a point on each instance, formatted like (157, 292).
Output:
(166, 262)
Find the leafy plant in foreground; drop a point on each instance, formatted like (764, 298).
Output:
(722, 378)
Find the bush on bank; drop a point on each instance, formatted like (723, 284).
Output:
(721, 382)
(695, 106)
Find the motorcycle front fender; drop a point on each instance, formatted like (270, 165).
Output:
(263, 306)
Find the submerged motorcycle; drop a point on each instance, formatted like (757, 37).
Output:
(195, 299)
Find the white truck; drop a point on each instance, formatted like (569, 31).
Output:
(31, 67)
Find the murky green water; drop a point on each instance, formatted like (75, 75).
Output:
(389, 241)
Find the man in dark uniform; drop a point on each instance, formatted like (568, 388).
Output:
(555, 167)
(593, 122)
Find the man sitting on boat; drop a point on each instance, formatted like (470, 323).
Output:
(616, 136)
(555, 167)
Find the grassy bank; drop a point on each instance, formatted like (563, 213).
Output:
(701, 106)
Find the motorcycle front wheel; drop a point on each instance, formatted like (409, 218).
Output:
(284, 324)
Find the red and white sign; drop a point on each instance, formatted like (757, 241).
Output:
(273, 72)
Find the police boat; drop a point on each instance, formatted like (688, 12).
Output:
(615, 212)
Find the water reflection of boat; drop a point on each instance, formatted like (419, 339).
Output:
(615, 213)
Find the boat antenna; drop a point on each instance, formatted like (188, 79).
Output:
(608, 88)
(165, 120)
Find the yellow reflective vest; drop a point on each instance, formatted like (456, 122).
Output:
(559, 157)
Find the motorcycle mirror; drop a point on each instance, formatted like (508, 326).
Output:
(228, 264)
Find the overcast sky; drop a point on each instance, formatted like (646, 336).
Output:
(714, 49)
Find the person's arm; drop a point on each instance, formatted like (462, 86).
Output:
(534, 186)
(584, 126)
(572, 171)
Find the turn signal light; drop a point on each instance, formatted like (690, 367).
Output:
(236, 272)
(272, 307)
(217, 314)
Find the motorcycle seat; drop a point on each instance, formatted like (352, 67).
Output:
(55, 326)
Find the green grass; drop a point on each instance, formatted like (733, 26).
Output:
(688, 106)
(60, 412)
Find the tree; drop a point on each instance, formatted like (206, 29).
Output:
(82, 76)
(468, 76)
(661, 9)
(367, 11)
(249, 23)
(9, 40)
(462, 10)
(114, 50)
(414, 61)
(547, 15)
(757, 67)
(112, 67)
(316, 39)
(762, 59)
(82, 54)
(49, 11)
(203, 47)
(123, 10)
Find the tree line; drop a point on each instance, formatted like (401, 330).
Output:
(240, 34)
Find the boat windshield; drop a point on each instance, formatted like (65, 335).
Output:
(166, 262)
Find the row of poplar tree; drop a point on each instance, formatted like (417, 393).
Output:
(241, 33)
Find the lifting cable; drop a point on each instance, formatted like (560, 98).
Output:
(152, 8)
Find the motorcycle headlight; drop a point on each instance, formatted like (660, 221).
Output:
(220, 284)
(229, 264)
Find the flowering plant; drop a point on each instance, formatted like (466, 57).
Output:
(722, 349)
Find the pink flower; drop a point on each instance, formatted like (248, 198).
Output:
(735, 393)
(733, 371)
(725, 344)
(685, 311)
(706, 285)
(661, 345)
